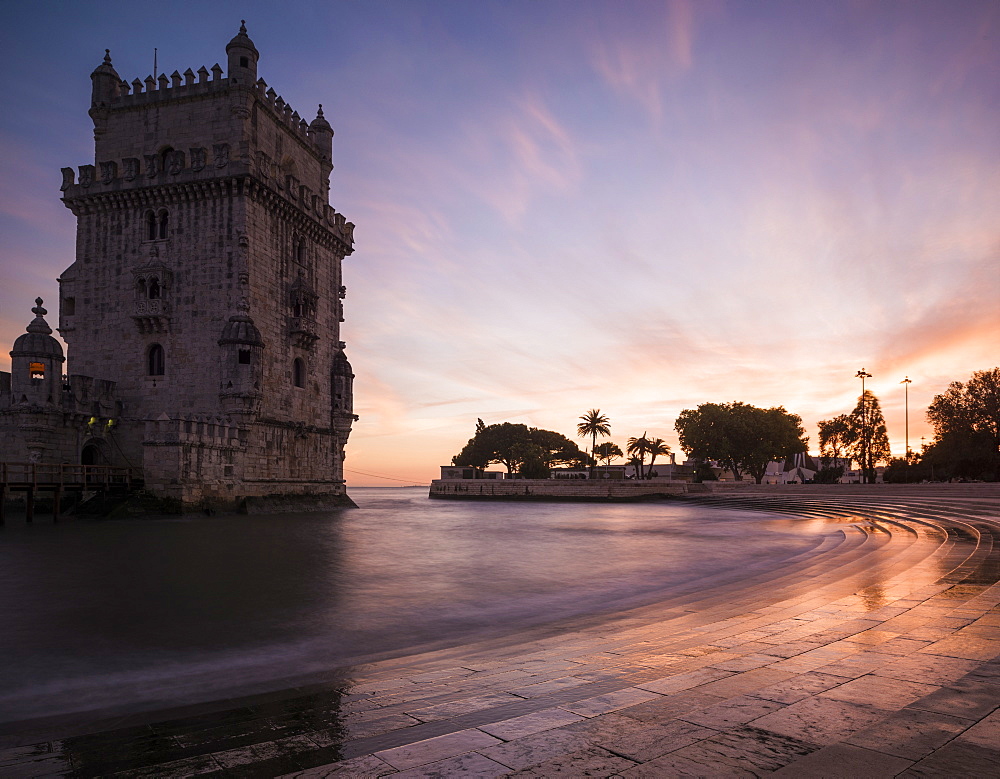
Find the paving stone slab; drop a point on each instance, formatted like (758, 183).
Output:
(910, 733)
(844, 760)
(437, 748)
(819, 721)
(636, 740)
(746, 749)
(528, 724)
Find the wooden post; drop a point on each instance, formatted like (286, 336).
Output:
(55, 504)
(29, 505)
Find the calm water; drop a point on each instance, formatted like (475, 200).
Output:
(139, 614)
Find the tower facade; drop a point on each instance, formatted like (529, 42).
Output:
(207, 284)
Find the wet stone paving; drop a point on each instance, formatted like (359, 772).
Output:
(819, 668)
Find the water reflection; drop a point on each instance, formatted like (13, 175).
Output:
(119, 613)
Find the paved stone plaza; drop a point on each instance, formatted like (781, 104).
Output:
(876, 654)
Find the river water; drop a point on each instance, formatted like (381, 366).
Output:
(140, 614)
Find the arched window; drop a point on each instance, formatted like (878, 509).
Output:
(299, 372)
(162, 221)
(300, 251)
(154, 289)
(151, 230)
(140, 287)
(155, 361)
(243, 357)
(165, 158)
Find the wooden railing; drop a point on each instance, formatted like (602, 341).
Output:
(52, 475)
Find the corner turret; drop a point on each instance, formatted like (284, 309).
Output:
(36, 363)
(105, 88)
(105, 83)
(243, 56)
(322, 135)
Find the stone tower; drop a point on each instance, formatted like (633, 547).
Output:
(207, 285)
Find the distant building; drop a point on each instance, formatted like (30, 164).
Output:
(468, 472)
(203, 311)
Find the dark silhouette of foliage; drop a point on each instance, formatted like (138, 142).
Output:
(608, 451)
(834, 436)
(966, 420)
(513, 445)
(740, 437)
(867, 437)
(829, 475)
(593, 424)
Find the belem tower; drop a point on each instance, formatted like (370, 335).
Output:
(202, 314)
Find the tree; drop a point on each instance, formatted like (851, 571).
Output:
(740, 437)
(593, 424)
(833, 439)
(966, 420)
(514, 445)
(637, 448)
(495, 444)
(607, 451)
(556, 449)
(656, 446)
(867, 438)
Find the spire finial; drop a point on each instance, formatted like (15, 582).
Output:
(107, 56)
(320, 111)
(243, 26)
(38, 324)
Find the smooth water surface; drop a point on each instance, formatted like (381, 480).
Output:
(143, 613)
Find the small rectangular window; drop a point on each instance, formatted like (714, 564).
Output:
(244, 357)
(69, 306)
(36, 370)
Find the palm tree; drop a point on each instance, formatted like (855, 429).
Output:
(607, 451)
(656, 446)
(637, 449)
(593, 424)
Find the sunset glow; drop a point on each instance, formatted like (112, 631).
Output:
(636, 207)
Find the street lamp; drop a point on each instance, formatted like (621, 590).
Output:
(906, 382)
(863, 374)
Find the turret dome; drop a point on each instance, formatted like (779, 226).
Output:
(38, 340)
(341, 367)
(242, 41)
(240, 329)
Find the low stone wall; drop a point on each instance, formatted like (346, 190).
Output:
(552, 489)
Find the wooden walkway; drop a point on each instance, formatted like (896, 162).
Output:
(58, 478)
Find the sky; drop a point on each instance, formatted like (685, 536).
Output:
(637, 207)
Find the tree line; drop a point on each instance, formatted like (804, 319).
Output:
(744, 439)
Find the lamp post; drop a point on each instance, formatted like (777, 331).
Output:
(863, 374)
(906, 382)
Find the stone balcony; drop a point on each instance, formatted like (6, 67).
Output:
(304, 331)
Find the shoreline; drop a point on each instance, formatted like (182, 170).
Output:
(928, 624)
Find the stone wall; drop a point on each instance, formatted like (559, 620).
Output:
(552, 489)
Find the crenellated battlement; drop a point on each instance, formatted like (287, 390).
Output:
(176, 86)
(190, 84)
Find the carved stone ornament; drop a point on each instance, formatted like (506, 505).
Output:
(175, 162)
(220, 151)
(131, 168)
(86, 175)
(68, 175)
(109, 172)
(197, 158)
(152, 165)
